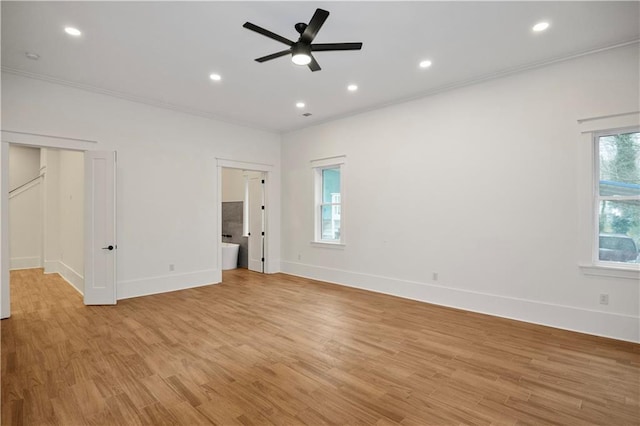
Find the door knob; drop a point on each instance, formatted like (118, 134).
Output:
(107, 248)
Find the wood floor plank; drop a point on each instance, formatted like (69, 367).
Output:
(276, 349)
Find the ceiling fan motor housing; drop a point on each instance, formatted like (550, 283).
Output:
(300, 27)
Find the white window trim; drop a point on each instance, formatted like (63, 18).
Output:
(592, 129)
(317, 166)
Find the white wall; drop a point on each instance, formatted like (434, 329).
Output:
(167, 176)
(233, 186)
(477, 185)
(71, 217)
(25, 208)
(51, 200)
(24, 165)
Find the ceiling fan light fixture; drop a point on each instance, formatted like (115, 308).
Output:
(301, 59)
(301, 54)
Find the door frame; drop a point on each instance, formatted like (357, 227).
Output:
(267, 169)
(39, 141)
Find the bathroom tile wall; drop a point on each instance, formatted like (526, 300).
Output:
(232, 225)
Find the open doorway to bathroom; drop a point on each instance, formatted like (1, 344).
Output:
(243, 219)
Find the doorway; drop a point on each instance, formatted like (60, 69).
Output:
(243, 218)
(98, 212)
(247, 186)
(46, 211)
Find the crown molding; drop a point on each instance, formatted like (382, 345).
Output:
(204, 114)
(465, 83)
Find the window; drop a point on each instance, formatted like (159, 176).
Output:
(617, 197)
(329, 200)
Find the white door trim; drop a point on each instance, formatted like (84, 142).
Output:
(28, 139)
(5, 294)
(269, 267)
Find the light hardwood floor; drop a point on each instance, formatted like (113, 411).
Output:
(276, 349)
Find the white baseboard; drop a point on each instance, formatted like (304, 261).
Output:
(51, 266)
(25, 263)
(71, 276)
(166, 283)
(606, 324)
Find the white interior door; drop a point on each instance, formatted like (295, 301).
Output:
(256, 222)
(100, 228)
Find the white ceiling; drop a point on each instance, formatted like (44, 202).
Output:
(163, 52)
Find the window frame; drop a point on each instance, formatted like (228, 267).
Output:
(596, 199)
(318, 166)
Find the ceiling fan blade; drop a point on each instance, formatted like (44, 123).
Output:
(316, 22)
(273, 56)
(335, 46)
(267, 33)
(313, 65)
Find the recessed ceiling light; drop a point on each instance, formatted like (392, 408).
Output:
(425, 64)
(215, 77)
(300, 104)
(352, 87)
(540, 26)
(32, 56)
(72, 31)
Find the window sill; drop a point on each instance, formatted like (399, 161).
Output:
(630, 272)
(326, 244)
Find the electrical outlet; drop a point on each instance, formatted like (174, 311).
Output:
(604, 299)
(172, 267)
(299, 256)
(435, 276)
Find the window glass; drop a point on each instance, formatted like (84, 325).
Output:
(619, 197)
(330, 223)
(620, 164)
(330, 185)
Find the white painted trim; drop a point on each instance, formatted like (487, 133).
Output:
(66, 273)
(5, 292)
(71, 276)
(48, 141)
(30, 262)
(50, 266)
(328, 161)
(612, 271)
(244, 165)
(166, 283)
(328, 245)
(599, 323)
(608, 122)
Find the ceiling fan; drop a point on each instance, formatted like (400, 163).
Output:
(301, 50)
